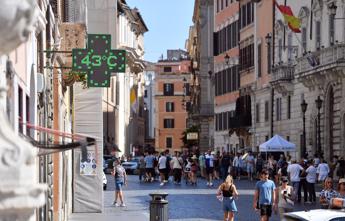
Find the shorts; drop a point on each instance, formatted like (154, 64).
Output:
(163, 170)
(229, 204)
(266, 210)
(150, 171)
(209, 170)
(250, 169)
(118, 185)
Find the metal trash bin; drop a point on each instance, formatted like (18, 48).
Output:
(159, 207)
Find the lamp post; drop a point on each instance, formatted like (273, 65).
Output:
(318, 103)
(304, 106)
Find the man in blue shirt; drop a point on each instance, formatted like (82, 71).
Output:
(149, 161)
(265, 196)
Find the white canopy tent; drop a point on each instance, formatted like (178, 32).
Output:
(277, 144)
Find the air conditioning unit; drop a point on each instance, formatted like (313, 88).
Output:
(40, 83)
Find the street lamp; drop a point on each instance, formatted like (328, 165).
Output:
(304, 106)
(318, 103)
(332, 8)
(268, 38)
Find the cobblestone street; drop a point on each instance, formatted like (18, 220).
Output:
(186, 203)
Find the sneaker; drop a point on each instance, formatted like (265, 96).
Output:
(211, 184)
(162, 184)
(116, 204)
(123, 205)
(207, 184)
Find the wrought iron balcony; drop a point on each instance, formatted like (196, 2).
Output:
(283, 72)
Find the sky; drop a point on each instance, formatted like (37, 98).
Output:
(168, 22)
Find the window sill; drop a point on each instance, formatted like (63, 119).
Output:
(243, 29)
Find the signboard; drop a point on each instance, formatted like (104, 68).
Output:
(192, 136)
(88, 168)
(98, 60)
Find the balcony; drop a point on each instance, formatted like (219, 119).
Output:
(282, 77)
(317, 68)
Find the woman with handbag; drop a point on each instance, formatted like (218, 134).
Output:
(229, 192)
(285, 198)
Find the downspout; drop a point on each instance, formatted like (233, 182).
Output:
(272, 49)
(254, 120)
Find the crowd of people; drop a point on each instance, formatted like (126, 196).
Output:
(280, 184)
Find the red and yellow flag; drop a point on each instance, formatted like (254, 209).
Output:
(293, 22)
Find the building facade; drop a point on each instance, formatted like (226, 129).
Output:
(226, 76)
(171, 101)
(200, 48)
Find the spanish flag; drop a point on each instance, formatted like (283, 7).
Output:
(293, 22)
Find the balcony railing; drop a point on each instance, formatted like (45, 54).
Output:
(203, 110)
(326, 56)
(240, 121)
(283, 72)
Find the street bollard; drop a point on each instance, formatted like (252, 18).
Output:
(158, 207)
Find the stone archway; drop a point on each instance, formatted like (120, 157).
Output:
(329, 123)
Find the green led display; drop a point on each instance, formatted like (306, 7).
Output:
(98, 60)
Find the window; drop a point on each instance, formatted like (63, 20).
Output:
(27, 114)
(331, 29)
(20, 109)
(226, 3)
(278, 109)
(221, 4)
(259, 60)
(266, 111)
(145, 93)
(289, 107)
(247, 14)
(280, 49)
(257, 111)
(217, 2)
(188, 106)
(269, 64)
(187, 89)
(289, 42)
(167, 69)
(168, 89)
(318, 35)
(168, 142)
(227, 81)
(169, 123)
(288, 138)
(169, 107)
(304, 39)
(247, 57)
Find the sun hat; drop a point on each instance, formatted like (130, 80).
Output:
(342, 180)
(194, 157)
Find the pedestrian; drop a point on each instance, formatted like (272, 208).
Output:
(294, 170)
(341, 168)
(237, 165)
(303, 183)
(162, 162)
(209, 168)
(285, 197)
(202, 165)
(177, 166)
(282, 172)
(250, 165)
(311, 180)
(216, 164)
(322, 170)
(224, 165)
(229, 192)
(120, 176)
(141, 167)
(149, 167)
(327, 193)
(341, 188)
(259, 165)
(194, 169)
(168, 168)
(265, 196)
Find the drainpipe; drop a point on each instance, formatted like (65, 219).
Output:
(273, 50)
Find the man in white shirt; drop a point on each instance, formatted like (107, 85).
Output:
(162, 162)
(209, 168)
(294, 170)
(322, 170)
(250, 165)
(311, 180)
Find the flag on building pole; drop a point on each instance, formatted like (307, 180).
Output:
(133, 99)
(293, 22)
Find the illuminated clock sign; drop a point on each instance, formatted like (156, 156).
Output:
(98, 60)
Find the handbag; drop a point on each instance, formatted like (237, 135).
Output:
(220, 197)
